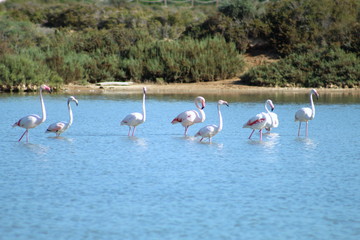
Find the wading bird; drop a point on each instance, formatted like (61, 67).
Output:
(135, 119)
(272, 122)
(305, 114)
(33, 120)
(60, 127)
(259, 121)
(211, 130)
(191, 117)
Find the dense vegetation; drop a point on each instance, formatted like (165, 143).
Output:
(94, 41)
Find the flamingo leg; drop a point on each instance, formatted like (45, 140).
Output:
(22, 135)
(299, 129)
(307, 129)
(201, 139)
(251, 133)
(27, 135)
(186, 129)
(133, 131)
(260, 134)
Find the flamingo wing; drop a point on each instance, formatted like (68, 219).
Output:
(271, 122)
(29, 121)
(186, 118)
(207, 131)
(303, 114)
(256, 122)
(133, 119)
(56, 127)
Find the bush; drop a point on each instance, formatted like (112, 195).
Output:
(309, 23)
(186, 60)
(321, 68)
(22, 70)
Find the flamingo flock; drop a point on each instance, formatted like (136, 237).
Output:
(264, 120)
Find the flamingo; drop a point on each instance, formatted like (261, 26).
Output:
(191, 117)
(305, 114)
(272, 122)
(211, 130)
(33, 120)
(259, 121)
(135, 119)
(60, 127)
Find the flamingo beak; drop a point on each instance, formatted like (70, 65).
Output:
(202, 105)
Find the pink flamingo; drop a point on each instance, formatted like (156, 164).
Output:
(306, 114)
(211, 130)
(191, 117)
(272, 122)
(259, 121)
(33, 120)
(135, 119)
(60, 127)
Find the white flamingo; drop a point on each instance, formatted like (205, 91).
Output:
(60, 127)
(305, 114)
(33, 120)
(272, 122)
(191, 117)
(259, 121)
(135, 119)
(211, 130)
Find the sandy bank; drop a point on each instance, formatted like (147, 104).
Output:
(223, 86)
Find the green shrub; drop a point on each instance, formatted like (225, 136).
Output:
(22, 70)
(186, 60)
(309, 23)
(321, 68)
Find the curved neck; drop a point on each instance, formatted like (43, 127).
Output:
(220, 119)
(43, 118)
(266, 103)
(312, 106)
(202, 115)
(70, 114)
(143, 108)
(268, 111)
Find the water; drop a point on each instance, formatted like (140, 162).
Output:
(94, 182)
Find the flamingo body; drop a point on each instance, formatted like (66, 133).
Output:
(272, 119)
(306, 114)
(257, 122)
(260, 120)
(211, 130)
(33, 120)
(60, 127)
(28, 122)
(135, 119)
(190, 117)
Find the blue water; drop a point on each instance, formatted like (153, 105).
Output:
(95, 182)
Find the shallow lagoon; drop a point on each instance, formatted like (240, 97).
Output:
(94, 182)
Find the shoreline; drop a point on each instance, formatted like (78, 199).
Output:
(231, 86)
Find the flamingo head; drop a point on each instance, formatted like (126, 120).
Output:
(313, 91)
(201, 100)
(72, 98)
(221, 102)
(272, 107)
(46, 88)
(144, 90)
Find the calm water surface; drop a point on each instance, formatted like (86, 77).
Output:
(94, 182)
